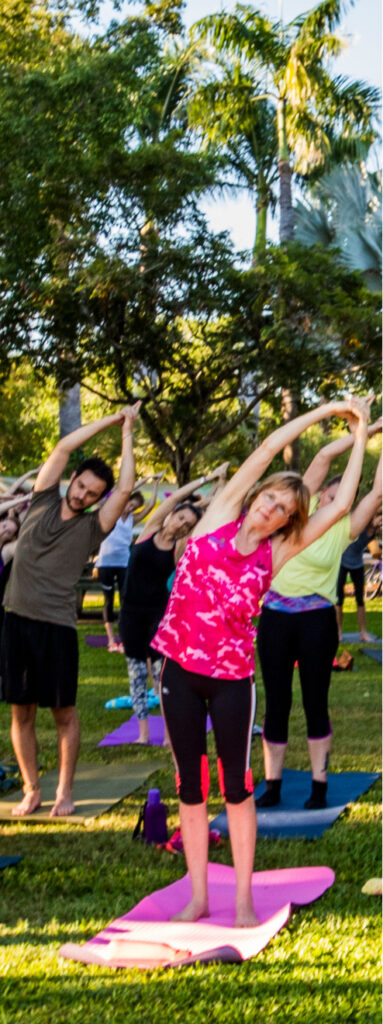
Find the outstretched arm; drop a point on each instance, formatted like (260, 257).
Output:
(53, 469)
(229, 503)
(144, 511)
(21, 479)
(114, 505)
(181, 494)
(318, 469)
(366, 509)
(321, 521)
(14, 502)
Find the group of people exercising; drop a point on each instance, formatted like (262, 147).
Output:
(276, 540)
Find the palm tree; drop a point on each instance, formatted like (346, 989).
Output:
(240, 127)
(315, 114)
(312, 108)
(345, 212)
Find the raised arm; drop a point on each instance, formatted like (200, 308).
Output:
(53, 469)
(318, 469)
(144, 511)
(228, 505)
(114, 505)
(21, 479)
(321, 521)
(366, 509)
(14, 502)
(181, 494)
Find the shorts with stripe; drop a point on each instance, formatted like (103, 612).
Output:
(187, 698)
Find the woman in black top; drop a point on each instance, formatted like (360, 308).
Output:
(152, 561)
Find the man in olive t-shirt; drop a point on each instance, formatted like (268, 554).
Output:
(39, 640)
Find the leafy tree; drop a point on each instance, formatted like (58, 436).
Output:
(28, 420)
(318, 118)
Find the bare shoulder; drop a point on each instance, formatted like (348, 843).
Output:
(282, 550)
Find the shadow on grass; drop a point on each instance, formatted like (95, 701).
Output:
(215, 992)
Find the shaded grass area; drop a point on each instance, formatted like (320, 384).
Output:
(73, 881)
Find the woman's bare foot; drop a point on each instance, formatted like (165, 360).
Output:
(245, 916)
(143, 735)
(31, 802)
(62, 806)
(366, 638)
(192, 912)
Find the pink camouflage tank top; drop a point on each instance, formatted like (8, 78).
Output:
(207, 626)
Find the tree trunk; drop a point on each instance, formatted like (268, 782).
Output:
(291, 453)
(286, 212)
(70, 409)
(260, 228)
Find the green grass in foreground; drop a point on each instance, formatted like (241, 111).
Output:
(72, 881)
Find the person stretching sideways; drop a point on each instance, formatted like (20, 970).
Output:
(299, 611)
(207, 638)
(113, 556)
(145, 594)
(39, 638)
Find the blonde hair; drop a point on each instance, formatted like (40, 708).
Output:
(286, 481)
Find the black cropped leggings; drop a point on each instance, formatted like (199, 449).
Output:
(357, 576)
(311, 638)
(187, 698)
(108, 576)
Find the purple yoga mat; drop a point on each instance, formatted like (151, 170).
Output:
(145, 936)
(99, 640)
(128, 732)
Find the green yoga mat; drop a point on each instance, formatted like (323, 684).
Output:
(97, 787)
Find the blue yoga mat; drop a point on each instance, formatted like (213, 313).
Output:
(6, 862)
(354, 638)
(372, 652)
(289, 820)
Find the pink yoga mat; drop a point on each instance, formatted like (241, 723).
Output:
(128, 732)
(146, 938)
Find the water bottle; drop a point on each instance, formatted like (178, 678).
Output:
(155, 830)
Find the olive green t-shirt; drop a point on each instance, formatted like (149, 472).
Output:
(49, 558)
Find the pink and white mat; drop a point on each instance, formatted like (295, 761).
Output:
(146, 938)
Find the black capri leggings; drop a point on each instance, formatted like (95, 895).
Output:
(108, 575)
(186, 699)
(357, 576)
(311, 638)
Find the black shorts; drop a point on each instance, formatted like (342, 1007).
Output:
(39, 662)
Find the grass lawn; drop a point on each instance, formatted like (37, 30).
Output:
(322, 967)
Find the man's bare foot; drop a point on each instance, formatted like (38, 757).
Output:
(62, 806)
(245, 917)
(192, 912)
(366, 638)
(31, 802)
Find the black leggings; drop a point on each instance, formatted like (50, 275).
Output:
(357, 576)
(108, 574)
(187, 698)
(311, 638)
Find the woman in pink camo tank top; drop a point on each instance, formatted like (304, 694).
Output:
(207, 638)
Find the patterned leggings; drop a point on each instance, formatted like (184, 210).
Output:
(138, 680)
